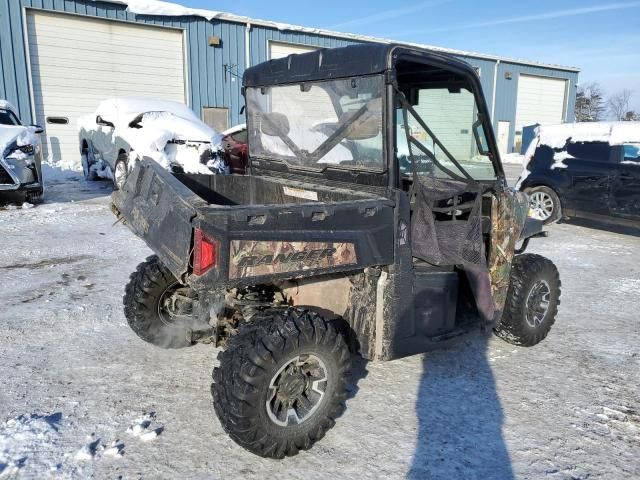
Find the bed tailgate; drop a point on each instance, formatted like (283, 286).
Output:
(159, 209)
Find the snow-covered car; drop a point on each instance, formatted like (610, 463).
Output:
(20, 156)
(589, 170)
(123, 129)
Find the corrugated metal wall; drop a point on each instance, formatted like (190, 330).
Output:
(507, 92)
(209, 83)
(261, 37)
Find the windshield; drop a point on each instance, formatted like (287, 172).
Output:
(447, 139)
(315, 125)
(7, 117)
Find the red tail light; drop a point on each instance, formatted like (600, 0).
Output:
(205, 252)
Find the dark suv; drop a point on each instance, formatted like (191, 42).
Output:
(590, 175)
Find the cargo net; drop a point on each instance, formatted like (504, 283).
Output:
(446, 226)
(446, 222)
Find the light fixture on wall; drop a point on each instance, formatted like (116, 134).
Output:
(508, 75)
(214, 41)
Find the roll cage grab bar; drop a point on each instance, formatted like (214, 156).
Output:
(334, 139)
(406, 107)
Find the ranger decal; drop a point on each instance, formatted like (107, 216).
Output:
(250, 258)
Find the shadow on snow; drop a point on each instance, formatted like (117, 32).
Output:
(459, 416)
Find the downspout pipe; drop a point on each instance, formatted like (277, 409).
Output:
(493, 96)
(247, 47)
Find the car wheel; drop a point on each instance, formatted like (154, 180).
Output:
(121, 171)
(88, 160)
(544, 204)
(35, 197)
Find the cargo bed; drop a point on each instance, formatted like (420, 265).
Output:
(263, 228)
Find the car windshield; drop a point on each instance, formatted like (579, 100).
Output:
(632, 152)
(7, 117)
(446, 136)
(316, 125)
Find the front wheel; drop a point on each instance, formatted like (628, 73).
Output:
(281, 382)
(158, 308)
(36, 196)
(121, 171)
(532, 301)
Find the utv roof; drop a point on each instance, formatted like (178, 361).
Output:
(326, 63)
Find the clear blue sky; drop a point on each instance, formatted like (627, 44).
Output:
(600, 37)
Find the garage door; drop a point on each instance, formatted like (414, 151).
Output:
(540, 100)
(78, 61)
(281, 50)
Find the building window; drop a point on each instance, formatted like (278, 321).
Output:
(216, 117)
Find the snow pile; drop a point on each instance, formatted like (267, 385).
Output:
(141, 428)
(235, 129)
(125, 109)
(558, 159)
(157, 7)
(96, 449)
(168, 132)
(60, 171)
(161, 128)
(513, 158)
(615, 133)
(5, 105)
(24, 436)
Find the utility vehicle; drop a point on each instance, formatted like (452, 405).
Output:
(335, 239)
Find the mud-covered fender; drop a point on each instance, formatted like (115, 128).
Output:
(532, 227)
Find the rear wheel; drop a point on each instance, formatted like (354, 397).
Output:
(88, 160)
(544, 204)
(158, 308)
(121, 171)
(281, 382)
(532, 301)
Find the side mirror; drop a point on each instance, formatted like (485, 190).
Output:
(274, 124)
(103, 122)
(38, 128)
(366, 126)
(481, 138)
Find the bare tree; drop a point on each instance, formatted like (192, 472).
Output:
(631, 116)
(590, 106)
(618, 104)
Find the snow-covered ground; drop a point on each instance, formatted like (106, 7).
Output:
(82, 396)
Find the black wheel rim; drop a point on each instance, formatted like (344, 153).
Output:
(175, 304)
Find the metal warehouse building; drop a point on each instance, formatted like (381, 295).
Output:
(59, 58)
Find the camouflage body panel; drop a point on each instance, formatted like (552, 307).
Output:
(508, 214)
(255, 258)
